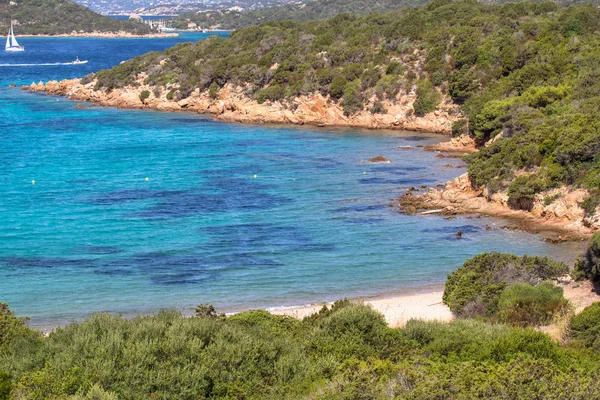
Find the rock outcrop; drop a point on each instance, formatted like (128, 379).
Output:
(563, 215)
(232, 104)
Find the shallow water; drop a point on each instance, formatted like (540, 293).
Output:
(315, 224)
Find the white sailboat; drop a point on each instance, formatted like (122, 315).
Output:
(11, 41)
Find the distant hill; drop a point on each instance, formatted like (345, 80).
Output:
(310, 11)
(53, 17)
(315, 10)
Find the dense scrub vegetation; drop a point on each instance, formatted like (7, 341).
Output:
(53, 17)
(346, 352)
(302, 12)
(310, 11)
(585, 327)
(588, 265)
(506, 288)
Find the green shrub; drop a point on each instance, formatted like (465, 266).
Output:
(12, 327)
(475, 288)
(271, 93)
(352, 100)
(170, 95)
(460, 127)
(213, 91)
(522, 304)
(591, 202)
(378, 108)
(5, 386)
(144, 95)
(588, 265)
(394, 68)
(550, 199)
(585, 327)
(427, 98)
(336, 89)
(95, 393)
(522, 191)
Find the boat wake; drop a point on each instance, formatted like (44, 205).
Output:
(43, 64)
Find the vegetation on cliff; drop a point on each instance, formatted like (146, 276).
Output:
(54, 17)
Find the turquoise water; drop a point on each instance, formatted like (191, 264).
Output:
(315, 224)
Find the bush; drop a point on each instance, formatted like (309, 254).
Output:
(588, 265)
(95, 393)
(523, 304)
(213, 91)
(378, 108)
(475, 288)
(5, 386)
(585, 327)
(427, 98)
(352, 101)
(522, 191)
(11, 326)
(271, 93)
(144, 95)
(336, 89)
(394, 68)
(460, 127)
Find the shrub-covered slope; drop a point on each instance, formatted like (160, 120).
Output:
(302, 12)
(311, 11)
(345, 353)
(53, 17)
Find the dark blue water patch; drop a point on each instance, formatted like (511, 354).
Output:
(465, 229)
(122, 196)
(264, 238)
(43, 262)
(415, 138)
(82, 181)
(242, 260)
(361, 208)
(100, 249)
(183, 204)
(386, 181)
(113, 271)
(169, 269)
(364, 221)
(183, 278)
(391, 170)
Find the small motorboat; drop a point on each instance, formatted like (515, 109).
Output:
(78, 61)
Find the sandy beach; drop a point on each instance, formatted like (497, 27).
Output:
(397, 309)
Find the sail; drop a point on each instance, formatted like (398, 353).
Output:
(13, 39)
(8, 40)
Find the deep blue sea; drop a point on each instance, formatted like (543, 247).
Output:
(133, 211)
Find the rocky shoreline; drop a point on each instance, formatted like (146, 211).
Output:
(562, 220)
(232, 105)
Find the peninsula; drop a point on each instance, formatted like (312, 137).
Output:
(64, 17)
